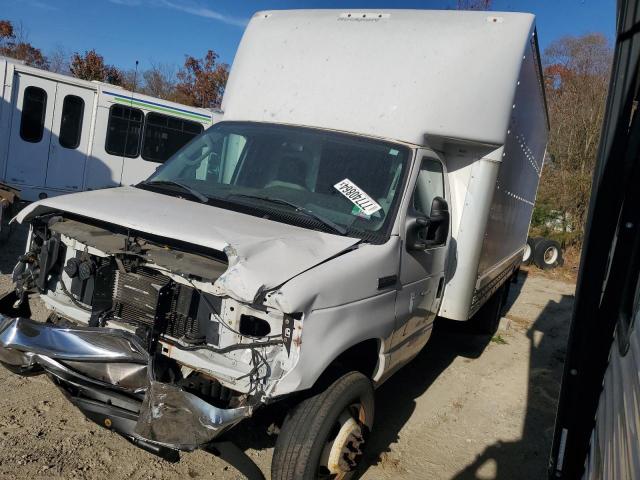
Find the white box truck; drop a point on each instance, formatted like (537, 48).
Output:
(374, 169)
(60, 134)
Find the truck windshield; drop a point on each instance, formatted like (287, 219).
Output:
(343, 184)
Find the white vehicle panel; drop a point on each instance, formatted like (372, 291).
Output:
(308, 67)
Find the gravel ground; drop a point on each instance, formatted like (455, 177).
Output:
(469, 407)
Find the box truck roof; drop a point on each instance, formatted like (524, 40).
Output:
(397, 74)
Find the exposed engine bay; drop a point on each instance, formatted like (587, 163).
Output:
(180, 347)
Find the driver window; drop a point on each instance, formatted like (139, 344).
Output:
(429, 184)
(232, 150)
(218, 161)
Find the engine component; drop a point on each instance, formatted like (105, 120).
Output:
(71, 268)
(83, 283)
(47, 259)
(144, 297)
(86, 270)
(208, 389)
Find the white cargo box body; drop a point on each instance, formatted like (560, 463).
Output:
(39, 153)
(465, 84)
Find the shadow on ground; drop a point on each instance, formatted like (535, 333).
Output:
(547, 337)
(396, 399)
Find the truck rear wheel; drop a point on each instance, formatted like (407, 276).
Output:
(487, 320)
(324, 435)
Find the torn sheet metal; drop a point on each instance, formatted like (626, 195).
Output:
(75, 344)
(129, 376)
(173, 417)
(282, 251)
(105, 356)
(108, 358)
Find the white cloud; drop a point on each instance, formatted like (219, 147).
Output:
(187, 7)
(40, 4)
(128, 3)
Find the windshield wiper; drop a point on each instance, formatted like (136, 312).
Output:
(195, 193)
(298, 208)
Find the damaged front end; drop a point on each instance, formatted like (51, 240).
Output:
(110, 377)
(139, 337)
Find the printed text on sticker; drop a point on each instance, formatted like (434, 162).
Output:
(359, 198)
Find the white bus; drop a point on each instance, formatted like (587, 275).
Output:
(59, 134)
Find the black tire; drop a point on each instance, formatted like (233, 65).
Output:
(309, 426)
(506, 288)
(547, 254)
(529, 248)
(487, 320)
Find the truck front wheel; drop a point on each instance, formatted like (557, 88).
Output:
(324, 435)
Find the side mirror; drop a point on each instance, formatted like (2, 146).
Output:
(424, 232)
(440, 220)
(417, 228)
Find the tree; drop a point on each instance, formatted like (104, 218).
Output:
(159, 81)
(201, 81)
(131, 80)
(91, 66)
(576, 74)
(59, 60)
(6, 30)
(14, 44)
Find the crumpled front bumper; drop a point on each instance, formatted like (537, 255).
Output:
(109, 376)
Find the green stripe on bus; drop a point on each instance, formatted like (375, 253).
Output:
(160, 109)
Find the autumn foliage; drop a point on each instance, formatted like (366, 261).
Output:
(91, 66)
(202, 81)
(13, 44)
(199, 82)
(576, 74)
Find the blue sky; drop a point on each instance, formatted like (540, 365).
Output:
(163, 31)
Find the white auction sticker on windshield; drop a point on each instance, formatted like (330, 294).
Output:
(357, 196)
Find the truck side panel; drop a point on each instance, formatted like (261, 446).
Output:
(493, 192)
(518, 177)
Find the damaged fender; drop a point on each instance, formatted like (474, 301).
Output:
(251, 263)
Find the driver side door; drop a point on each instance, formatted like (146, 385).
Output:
(422, 270)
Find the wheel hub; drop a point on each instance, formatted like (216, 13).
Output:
(347, 446)
(346, 449)
(550, 255)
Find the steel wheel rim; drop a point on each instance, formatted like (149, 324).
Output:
(550, 255)
(346, 439)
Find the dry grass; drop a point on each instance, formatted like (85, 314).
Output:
(568, 272)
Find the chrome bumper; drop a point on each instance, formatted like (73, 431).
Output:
(112, 370)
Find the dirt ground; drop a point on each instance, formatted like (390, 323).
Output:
(469, 407)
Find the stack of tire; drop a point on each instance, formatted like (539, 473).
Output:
(543, 252)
